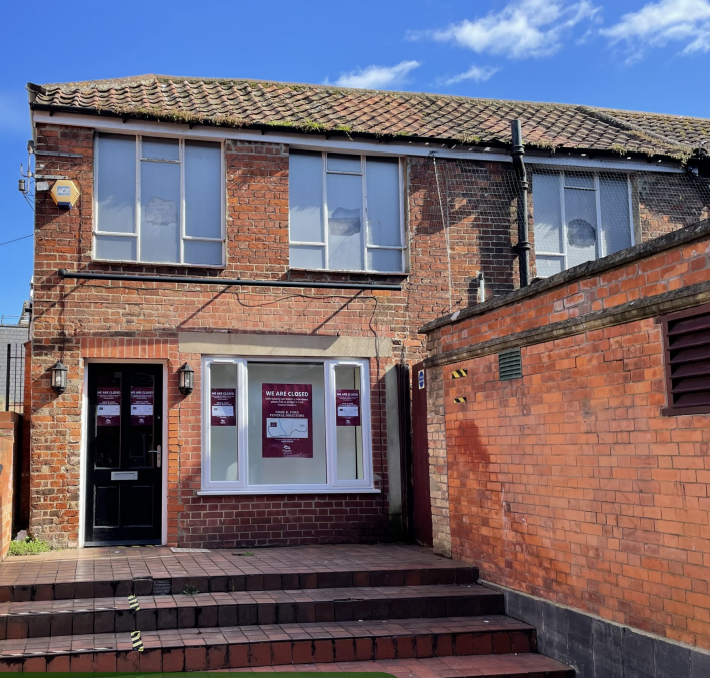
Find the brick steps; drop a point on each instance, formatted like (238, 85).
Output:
(274, 581)
(107, 615)
(251, 646)
(478, 666)
(392, 608)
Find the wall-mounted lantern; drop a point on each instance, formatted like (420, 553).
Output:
(59, 377)
(186, 379)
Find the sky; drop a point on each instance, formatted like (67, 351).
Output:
(629, 54)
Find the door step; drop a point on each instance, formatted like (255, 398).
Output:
(254, 581)
(204, 610)
(250, 646)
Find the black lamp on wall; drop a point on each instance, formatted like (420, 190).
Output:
(186, 379)
(59, 377)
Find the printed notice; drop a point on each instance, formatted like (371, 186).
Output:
(141, 406)
(108, 406)
(223, 403)
(347, 403)
(286, 411)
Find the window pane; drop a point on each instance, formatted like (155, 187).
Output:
(160, 149)
(579, 180)
(223, 422)
(547, 266)
(385, 261)
(547, 213)
(160, 215)
(344, 163)
(307, 257)
(581, 216)
(383, 215)
(616, 224)
(344, 222)
(286, 424)
(203, 189)
(107, 424)
(305, 194)
(200, 252)
(116, 184)
(115, 248)
(348, 422)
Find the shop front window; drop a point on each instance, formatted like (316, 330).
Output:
(274, 426)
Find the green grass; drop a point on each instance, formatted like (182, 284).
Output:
(29, 547)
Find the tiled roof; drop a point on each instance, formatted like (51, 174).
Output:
(324, 108)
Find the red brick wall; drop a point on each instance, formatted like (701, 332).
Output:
(9, 433)
(569, 484)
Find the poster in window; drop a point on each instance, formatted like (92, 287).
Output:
(141, 405)
(108, 406)
(347, 404)
(286, 411)
(223, 403)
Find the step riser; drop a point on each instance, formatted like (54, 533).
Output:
(242, 655)
(109, 621)
(248, 582)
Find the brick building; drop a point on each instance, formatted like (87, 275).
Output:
(280, 246)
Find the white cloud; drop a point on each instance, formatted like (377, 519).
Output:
(377, 77)
(522, 29)
(475, 73)
(660, 23)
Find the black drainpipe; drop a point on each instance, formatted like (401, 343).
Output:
(523, 246)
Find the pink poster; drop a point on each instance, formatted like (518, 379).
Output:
(108, 406)
(223, 403)
(347, 403)
(286, 411)
(141, 405)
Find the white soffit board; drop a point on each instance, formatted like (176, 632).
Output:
(317, 142)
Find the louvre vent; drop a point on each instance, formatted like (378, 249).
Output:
(688, 361)
(510, 364)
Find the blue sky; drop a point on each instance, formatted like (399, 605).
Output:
(650, 56)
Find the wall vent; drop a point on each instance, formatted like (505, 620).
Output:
(687, 344)
(510, 364)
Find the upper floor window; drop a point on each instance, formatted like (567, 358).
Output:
(579, 217)
(346, 212)
(158, 200)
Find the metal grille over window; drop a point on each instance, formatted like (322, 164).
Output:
(510, 364)
(688, 361)
(577, 214)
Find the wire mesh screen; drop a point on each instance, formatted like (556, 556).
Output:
(12, 378)
(575, 216)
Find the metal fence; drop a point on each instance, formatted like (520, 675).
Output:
(12, 378)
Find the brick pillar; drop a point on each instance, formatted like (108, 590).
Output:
(9, 425)
(438, 468)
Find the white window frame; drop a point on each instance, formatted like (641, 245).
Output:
(600, 248)
(364, 231)
(332, 484)
(137, 224)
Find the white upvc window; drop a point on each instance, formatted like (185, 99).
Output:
(274, 426)
(159, 200)
(578, 217)
(346, 212)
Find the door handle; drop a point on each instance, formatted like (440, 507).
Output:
(159, 457)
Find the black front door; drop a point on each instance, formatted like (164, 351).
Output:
(124, 454)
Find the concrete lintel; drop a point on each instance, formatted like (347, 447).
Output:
(284, 345)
